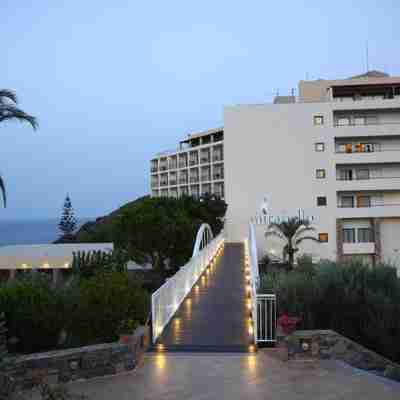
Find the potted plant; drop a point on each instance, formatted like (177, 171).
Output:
(125, 330)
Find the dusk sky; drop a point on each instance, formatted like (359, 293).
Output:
(113, 82)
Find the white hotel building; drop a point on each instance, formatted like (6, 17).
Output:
(333, 151)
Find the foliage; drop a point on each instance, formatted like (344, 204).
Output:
(162, 230)
(127, 326)
(354, 299)
(100, 304)
(292, 232)
(68, 221)
(34, 311)
(10, 111)
(87, 264)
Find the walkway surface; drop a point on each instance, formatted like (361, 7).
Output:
(185, 376)
(214, 316)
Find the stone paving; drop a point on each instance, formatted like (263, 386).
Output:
(238, 376)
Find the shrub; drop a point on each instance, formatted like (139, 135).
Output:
(354, 299)
(34, 311)
(102, 303)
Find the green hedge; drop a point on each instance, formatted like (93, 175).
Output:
(88, 310)
(359, 301)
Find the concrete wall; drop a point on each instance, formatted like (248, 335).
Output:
(270, 149)
(390, 237)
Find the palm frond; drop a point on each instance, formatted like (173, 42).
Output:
(3, 191)
(274, 233)
(10, 112)
(303, 229)
(8, 94)
(298, 241)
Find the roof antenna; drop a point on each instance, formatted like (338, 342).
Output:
(367, 55)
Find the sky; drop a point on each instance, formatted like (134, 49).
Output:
(114, 82)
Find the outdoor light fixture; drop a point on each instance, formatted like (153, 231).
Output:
(251, 330)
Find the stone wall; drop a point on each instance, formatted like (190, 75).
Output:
(81, 363)
(329, 344)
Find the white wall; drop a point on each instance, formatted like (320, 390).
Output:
(390, 237)
(269, 149)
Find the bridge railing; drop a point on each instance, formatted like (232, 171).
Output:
(263, 306)
(167, 299)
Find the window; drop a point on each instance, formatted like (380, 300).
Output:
(347, 202)
(345, 174)
(363, 201)
(364, 235)
(349, 235)
(323, 237)
(320, 173)
(359, 120)
(318, 120)
(319, 146)
(362, 173)
(321, 201)
(342, 122)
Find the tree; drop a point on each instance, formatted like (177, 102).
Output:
(157, 230)
(68, 221)
(292, 232)
(10, 111)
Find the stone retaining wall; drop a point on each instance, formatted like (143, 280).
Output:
(330, 344)
(82, 362)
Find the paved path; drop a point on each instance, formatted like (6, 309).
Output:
(184, 376)
(214, 316)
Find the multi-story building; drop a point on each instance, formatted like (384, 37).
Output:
(196, 168)
(334, 151)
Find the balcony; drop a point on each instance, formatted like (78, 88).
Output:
(183, 164)
(371, 184)
(388, 210)
(183, 181)
(217, 157)
(205, 160)
(194, 179)
(378, 129)
(193, 161)
(173, 165)
(205, 178)
(154, 184)
(359, 248)
(218, 176)
(172, 182)
(163, 167)
(164, 183)
(154, 169)
(373, 157)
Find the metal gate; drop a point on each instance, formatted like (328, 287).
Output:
(266, 318)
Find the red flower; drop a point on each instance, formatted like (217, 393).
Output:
(288, 324)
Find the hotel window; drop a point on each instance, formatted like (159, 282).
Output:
(364, 235)
(319, 146)
(323, 237)
(318, 119)
(363, 201)
(321, 201)
(362, 173)
(349, 235)
(347, 202)
(320, 174)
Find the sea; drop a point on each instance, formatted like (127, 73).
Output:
(30, 231)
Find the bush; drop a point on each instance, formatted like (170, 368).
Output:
(358, 301)
(34, 312)
(101, 303)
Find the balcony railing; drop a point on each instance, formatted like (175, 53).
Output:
(338, 124)
(194, 179)
(205, 160)
(154, 169)
(183, 181)
(183, 164)
(205, 178)
(193, 162)
(217, 158)
(218, 176)
(164, 183)
(355, 178)
(163, 167)
(368, 205)
(172, 182)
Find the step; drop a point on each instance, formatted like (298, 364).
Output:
(194, 348)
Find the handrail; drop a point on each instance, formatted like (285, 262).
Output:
(166, 300)
(203, 237)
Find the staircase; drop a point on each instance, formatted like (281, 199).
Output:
(214, 316)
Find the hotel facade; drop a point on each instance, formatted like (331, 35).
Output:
(333, 152)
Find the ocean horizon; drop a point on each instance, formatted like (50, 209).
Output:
(40, 231)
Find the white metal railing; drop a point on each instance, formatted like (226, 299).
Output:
(167, 299)
(263, 306)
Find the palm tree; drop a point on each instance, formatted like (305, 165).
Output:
(292, 232)
(10, 111)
